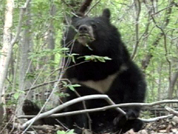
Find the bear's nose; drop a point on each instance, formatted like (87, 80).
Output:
(83, 29)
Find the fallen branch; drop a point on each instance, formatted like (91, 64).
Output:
(89, 97)
(171, 111)
(64, 105)
(157, 118)
(109, 107)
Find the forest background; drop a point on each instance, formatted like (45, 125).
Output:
(30, 44)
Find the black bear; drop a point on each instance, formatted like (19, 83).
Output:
(118, 77)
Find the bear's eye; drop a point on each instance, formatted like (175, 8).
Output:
(94, 25)
(77, 27)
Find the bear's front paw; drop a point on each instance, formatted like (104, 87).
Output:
(132, 114)
(120, 120)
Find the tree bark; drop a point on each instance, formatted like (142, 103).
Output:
(159, 82)
(6, 51)
(54, 100)
(24, 65)
(172, 83)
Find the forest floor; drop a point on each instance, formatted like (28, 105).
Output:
(163, 126)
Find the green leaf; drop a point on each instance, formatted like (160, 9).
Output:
(64, 82)
(62, 94)
(70, 132)
(76, 85)
(16, 95)
(72, 56)
(72, 87)
(96, 58)
(61, 132)
(67, 132)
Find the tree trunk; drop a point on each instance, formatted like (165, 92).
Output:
(6, 51)
(50, 38)
(159, 82)
(24, 65)
(174, 78)
(51, 45)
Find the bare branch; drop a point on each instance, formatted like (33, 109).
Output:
(138, 10)
(60, 107)
(92, 7)
(57, 109)
(172, 111)
(146, 61)
(107, 107)
(54, 89)
(84, 6)
(157, 118)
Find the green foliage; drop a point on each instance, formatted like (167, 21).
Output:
(17, 94)
(63, 132)
(72, 56)
(47, 52)
(43, 21)
(146, 114)
(70, 86)
(62, 94)
(30, 76)
(96, 58)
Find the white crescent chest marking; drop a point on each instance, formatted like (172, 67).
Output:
(101, 86)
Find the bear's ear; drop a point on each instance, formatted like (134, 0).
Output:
(106, 13)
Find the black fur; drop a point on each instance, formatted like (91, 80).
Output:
(97, 36)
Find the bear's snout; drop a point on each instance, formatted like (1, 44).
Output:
(83, 29)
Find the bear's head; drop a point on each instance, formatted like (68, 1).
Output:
(93, 35)
(90, 29)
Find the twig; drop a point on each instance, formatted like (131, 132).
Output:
(58, 108)
(157, 118)
(84, 6)
(107, 107)
(147, 59)
(172, 111)
(92, 7)
(28, 125)
(168, 13)
(36, 86)
(68, 5)
(138, 10)
(40, 85)
(85, 107)
(170, 6)
(96, 110)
